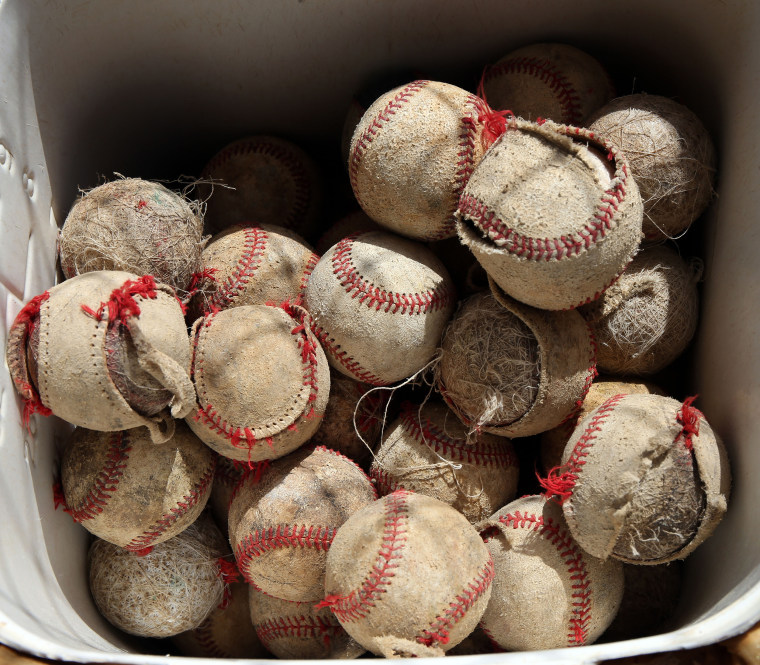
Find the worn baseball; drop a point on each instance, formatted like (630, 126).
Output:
(379, 304)
(252, 265)
(428, 450)
(647, 319)
(644, 479)
(125, 489)
(105, 350)
(547, 592)
(553, 441)
(555, 81)
(408, 575)
(299, 631)
(353, 420)
(261, 179)
(552, 214)
(136, 226)
(171, 589)
(245, 410)
(412, 153)
(226, 633)
(514, 370)
(283, 520)
(671, 157)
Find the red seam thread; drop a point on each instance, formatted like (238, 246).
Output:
(688, 416)
(561, 480)
(306, 275)
(479, 453)
(300, 198)
(28, 317)
(204, 636)
(107, 480)
(304, 627)
(384, 482)
(541, 68)
(229, 574)
(358, 602)
(252, 473)
(121, 304)
(255, 243)
(572, 556)
(189, 501)
(383, 116)
(351, 365)
(259, 542)
(547, 249)
(379, 299)
(440, 628)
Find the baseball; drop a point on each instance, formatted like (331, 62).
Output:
(104, 350)
(379, 304)
(547, 592)
(125, 489)
(171, 589)
(644, 321)
(408, 575)
(136, 226)
(513, 370)
(411, 155)
(429, 451)
(555, 81)
(282, 521)
(671, 158)
(261, 179)
(246, 411)
(643, 479)
(552, 214)
(253, 265)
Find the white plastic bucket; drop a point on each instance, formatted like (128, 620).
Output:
(146, 87)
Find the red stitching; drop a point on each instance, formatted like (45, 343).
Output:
(122, 304)
(385, 482)
(379, 299)
(688, 417)
(376, 125)
(480, 453)
(547, 249)
(255, 241)
(105, 483)
(298, 626)
(204, 636)
(188, 502)
(561, 479)
(542, 68)
(287, 158)
(310, 265)
(357, 604)
(257, 543)
(573, 558)
(441, 626)
(351, 365)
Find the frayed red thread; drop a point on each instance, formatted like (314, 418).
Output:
(122, 304)
(230, 574)
(28, 317)
(558, 482)
(494, 122)
(141, 204)
(59, 499)
(329, 601)
(196, 280)
(143, 552)
(689, 417)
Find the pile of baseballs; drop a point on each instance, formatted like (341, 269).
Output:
(317, 455)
